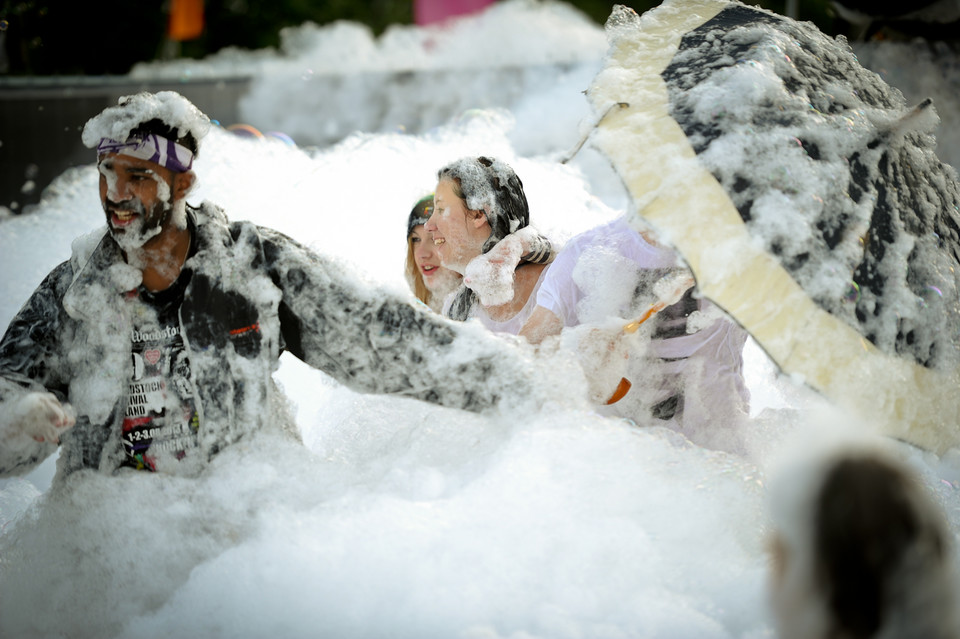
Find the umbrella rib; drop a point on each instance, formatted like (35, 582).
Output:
(593, 127)
(901, 124)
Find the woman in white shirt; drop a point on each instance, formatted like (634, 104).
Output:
(687, 373)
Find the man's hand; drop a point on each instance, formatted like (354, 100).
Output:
(38, 415)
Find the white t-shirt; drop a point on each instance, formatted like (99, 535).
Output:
(609, 271)
(513, 325)
(595, 274)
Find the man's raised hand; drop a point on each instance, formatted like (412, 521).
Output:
(38, 415)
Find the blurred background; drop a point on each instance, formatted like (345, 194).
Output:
(107, 37)
(62, 61)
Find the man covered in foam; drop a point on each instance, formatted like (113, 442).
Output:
(153, 346)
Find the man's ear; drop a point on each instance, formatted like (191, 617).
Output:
(182, 183)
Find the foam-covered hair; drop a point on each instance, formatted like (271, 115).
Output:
(491, 185)
(165, 113)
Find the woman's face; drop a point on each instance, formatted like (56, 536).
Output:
(435, 276)
(458, 233)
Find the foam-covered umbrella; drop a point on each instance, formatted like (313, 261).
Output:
(804, 193)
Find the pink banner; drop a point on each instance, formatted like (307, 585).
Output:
(429, 11)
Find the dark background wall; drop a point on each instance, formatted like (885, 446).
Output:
(84, 37)
(63, 61)
(41, 120)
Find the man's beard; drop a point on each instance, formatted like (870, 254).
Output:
(142, 228)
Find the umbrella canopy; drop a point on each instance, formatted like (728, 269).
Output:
(804, 193)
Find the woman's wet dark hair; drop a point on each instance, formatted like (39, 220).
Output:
(493, 187)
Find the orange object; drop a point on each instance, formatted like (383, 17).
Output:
(624, 386)
(633, 326)
(622, 389)
(186, 20)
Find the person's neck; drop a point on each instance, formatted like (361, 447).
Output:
(464, 258)
(162, 257)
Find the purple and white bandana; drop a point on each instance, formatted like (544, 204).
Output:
(153, 148)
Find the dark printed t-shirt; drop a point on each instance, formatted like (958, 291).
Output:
(160, 415)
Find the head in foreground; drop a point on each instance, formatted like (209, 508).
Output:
(860, 551)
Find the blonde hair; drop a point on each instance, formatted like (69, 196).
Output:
(414, 277)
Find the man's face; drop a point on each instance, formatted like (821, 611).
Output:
(137, 197)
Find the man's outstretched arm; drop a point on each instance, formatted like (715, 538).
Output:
(32, 417)
(374, 341)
